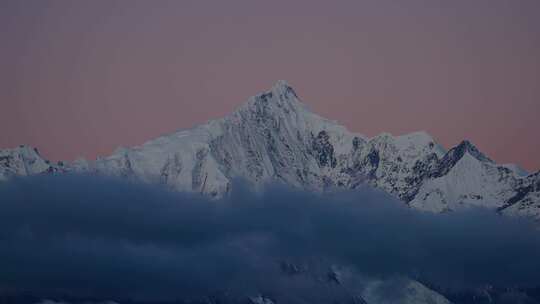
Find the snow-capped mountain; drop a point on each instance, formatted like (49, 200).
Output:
(24, 161)
(274, 137)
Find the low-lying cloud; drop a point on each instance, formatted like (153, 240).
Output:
(101, 237)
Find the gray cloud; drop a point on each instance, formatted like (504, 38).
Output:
(90, 236)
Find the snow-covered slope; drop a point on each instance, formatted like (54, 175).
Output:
(525, 200)
(465, 177)
(274, 137)
(23, 161)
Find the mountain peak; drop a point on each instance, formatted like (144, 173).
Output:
(273, 136)
(282, 88)
(23, 160)
(454, 155)
(466, 144)
(280, 85)
(467, 147)
(280, 96)
(25, 150)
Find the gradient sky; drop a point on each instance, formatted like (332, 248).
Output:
(80, 78)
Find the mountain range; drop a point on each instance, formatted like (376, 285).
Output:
(274, 137)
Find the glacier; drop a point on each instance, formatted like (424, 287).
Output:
(274, 137)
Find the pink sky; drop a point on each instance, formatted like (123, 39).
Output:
(80, 78)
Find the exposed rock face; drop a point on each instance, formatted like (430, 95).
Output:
(274, 137)
(525, 200)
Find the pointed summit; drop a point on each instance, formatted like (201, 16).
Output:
(281, 87)
(467, 147)
(274, 137)
(280, 91)
(283, 90)
(280, 84)
(454, 155)
(280, 98)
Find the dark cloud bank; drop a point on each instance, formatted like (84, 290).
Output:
(98, 237)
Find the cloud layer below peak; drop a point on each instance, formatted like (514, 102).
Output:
(102, 237)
